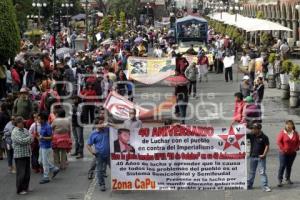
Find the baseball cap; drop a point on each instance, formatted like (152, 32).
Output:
(249, 99)
(246, 77)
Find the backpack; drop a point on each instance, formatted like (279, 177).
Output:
(49, 101)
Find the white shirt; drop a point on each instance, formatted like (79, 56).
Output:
(158, 53)
(245, 60)
(129, 124)
(35, 127)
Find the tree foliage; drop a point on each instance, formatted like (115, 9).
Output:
(9, 31)
(123, 21)
(105, 25)
(24, 7)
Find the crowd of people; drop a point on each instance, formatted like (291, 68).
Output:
(34, 122)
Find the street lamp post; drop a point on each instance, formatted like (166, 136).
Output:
(221, 8)
(39, 4)
(67, 5)
(86, 18)
(148, 6)
(236, 3)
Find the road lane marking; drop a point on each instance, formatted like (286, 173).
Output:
(91, 189)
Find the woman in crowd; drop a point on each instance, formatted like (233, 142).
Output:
(8, 142)
(4, 119)
(35, 130)
(62, 142)
(288, 144)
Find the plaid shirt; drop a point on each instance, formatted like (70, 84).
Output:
(21, 140)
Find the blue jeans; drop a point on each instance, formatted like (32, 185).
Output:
(285, 163)
(44, 159)
(261, 163)
(101, 164)
(182, 106)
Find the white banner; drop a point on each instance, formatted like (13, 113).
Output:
(178, 157)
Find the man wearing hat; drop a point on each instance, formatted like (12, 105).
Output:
(23, 105)
(245, 86)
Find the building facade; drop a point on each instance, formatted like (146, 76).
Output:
(284, 12)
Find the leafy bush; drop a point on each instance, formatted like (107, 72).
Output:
(9, 31)
(295, 72)
(287, 66)
(272, 58)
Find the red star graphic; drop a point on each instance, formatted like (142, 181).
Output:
(231, 136)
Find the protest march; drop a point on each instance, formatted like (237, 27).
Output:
(186, 99)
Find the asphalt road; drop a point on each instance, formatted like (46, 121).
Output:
(216, 109)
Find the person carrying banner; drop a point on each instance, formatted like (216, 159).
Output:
(259, 148)
(238, 108)
(132, 122)
(98, 145)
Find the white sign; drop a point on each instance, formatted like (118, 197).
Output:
(180, 157)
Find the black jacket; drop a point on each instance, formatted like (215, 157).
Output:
(117, 148)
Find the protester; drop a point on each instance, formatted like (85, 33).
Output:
(288, 143)
(89, 96)
(35, 130)
(8, 143)
(251, 111)
(98, 145)
(284, 49)
(77, 129)
(259, 148)
(245, 59)
(181, 93)
(45, 136)
(239, 105)
(61, 143)
(228, 66)
(191, 73)
(4, 119)
(251, 68)
(132, 122)
(21, 140)
(245, 86)
(203, 66)
(23, 105)
(259, 89)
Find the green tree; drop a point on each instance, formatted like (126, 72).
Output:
(25, 8)
(114, 22)
(105, 25)
(123, 21)
(128, 6)
(9, 31)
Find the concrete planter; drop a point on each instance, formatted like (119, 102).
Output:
(284, 80)
(294, 93)
(271, 81)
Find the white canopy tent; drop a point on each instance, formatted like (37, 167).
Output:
(248, 24)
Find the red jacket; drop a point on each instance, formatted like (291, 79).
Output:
(15, 76)
(238, 111)
(286, 144)
(89, 95)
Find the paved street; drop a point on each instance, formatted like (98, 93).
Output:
(73, 183)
